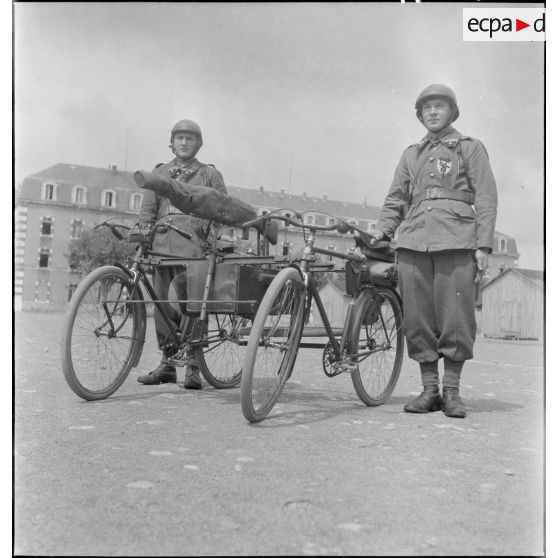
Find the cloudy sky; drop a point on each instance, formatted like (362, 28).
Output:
(328, 87)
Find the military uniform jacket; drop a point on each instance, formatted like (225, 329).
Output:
(451, 161)
(155, 207)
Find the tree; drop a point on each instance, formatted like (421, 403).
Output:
(96, 247)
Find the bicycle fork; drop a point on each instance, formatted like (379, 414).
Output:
(347, 363)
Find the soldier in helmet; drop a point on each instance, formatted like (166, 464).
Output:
(443, 203)
(185, 142)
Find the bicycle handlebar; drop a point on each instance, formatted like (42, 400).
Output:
(167, 226)
(113, 228)
(158, 227)
(339, 226)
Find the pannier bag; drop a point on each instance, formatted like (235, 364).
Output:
(372, 271)
(237, 288)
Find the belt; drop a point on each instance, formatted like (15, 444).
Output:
(439, 193)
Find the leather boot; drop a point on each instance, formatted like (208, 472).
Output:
(163, 374)
(192, 379)
(428, 401)
(452, 404)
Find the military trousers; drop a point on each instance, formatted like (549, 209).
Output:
(438, 294)
(162, 277)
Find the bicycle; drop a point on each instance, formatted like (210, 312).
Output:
(105, 323)
(370, 344)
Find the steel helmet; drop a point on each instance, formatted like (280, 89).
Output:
(437, 90)
(187, 126)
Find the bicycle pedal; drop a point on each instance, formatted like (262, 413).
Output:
(345, 367)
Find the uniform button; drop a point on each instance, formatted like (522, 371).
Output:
(431, 159)
(429, 208)
(432, 175)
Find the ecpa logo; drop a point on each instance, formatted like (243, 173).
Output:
(503, 24)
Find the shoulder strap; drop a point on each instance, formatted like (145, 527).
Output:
(204, 174)
(460, 152)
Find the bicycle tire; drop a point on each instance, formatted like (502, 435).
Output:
(221, 357)
(379, 349)
(103, 333)
(273, 344)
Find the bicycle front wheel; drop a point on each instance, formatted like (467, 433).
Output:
(376, 344)
(273, 344)
(103, 333)
(222, 353)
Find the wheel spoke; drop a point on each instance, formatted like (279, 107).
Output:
(100, 337)
(377, 345)
(273, 344)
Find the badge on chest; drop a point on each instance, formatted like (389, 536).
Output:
(444, 166)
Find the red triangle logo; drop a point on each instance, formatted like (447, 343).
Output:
(519, 25)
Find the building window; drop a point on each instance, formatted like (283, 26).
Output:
(46, 226)
(49, 191)
(42, 291)
(44, 255)
(371, 227)
(503, 245)
(77, 228)
(79, 195)
(331, 221)
(135, 202)
(108, 198)
(309, 219)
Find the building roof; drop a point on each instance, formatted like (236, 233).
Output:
(532, 275)
(87, 176)
(303, 202)
(511, 245)
(257, 197)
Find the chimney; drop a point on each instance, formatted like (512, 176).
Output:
(113, 168)
(304, 196)
(260, 189)
(325, 198)
(282, 193)
(365, 203)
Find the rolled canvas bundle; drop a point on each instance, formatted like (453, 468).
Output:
(200, 201)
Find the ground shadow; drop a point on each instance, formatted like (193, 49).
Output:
(491, 405)
(138, 396)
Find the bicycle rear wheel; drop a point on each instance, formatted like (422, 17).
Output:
(221, 356)
(377, 344)
(103, 333)
(273, 344)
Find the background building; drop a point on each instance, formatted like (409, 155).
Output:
(513, 305)
(56, 204)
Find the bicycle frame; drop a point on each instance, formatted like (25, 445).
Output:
(307, 267)
(145, 259)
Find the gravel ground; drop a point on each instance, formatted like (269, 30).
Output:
(162, 471)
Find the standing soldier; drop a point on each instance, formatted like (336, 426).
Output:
(443, 200)
(185, 142)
